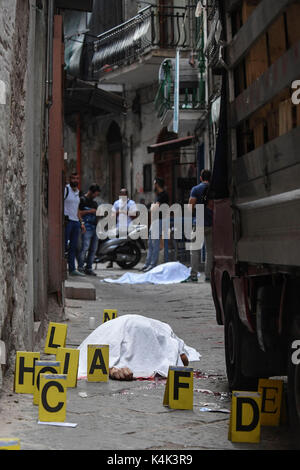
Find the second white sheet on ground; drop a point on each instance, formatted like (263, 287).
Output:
(167, 273)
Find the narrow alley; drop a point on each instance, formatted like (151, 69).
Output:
(130, 415)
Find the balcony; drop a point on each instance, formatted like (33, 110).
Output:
(132, 52)
(192, 86)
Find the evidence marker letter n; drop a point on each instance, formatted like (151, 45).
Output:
(97, 362)
(24, 371)
(56, 337)
(52, 397)
(109, 314)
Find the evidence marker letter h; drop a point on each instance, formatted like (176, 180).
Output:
(24, 371)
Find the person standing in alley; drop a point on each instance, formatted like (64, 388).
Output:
(199, 196)
(73, 223)
(156, 227)
(89, 240)
(125, 211)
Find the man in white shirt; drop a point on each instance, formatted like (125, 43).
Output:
(73, 223)
(125, 211)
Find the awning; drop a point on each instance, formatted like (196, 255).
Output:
(81, 5)
(84, 96)
(171, 144)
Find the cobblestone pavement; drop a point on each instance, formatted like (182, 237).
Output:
(131, 415)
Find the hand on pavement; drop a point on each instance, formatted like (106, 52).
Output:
(120, 374)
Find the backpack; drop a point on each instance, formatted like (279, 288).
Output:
(67, 192)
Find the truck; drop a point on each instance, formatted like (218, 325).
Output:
(255, 186)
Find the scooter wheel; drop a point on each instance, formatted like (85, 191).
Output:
(134, 252)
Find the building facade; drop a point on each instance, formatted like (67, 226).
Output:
(130, 51)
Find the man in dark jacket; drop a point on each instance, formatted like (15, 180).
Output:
(199, 196)
(156, 228)
(87, 210)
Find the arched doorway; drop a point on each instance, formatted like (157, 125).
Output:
(115, 156)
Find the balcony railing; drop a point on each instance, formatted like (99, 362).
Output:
(191, 95)
(164, 27)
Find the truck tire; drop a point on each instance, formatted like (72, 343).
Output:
(293, 386)
(235, 333)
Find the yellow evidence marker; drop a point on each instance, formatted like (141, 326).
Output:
(10, 444)
(53, 398)
(24, 371)
(98, 363)
(41, 367)
(271, 401)
(245, 417)
(179, 391)
(69, 360)
(56, 337)
(109, 314)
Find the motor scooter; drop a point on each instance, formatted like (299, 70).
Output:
(126, 252)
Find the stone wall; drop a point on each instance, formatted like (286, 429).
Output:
(21, 173)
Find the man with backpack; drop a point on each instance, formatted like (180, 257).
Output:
(73, 223)
(199, 195)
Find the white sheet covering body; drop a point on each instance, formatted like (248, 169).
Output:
(147, 346)
(167, 273)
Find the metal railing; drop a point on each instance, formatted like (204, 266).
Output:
(165, 27)
(189, 98)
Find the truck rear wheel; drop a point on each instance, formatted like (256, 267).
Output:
(293, 387)
(234, 334)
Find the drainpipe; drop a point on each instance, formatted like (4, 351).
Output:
(131, 166)
(49, 70)
(78, 140)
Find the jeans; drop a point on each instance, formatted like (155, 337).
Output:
(89, 244)
(196, 255)
(72, 232)
(154, 245)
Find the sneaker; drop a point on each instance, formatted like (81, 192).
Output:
(190, 279)
(144, 267)
(148, 268)
(81, 270)
(90, 272)
(76, 273)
